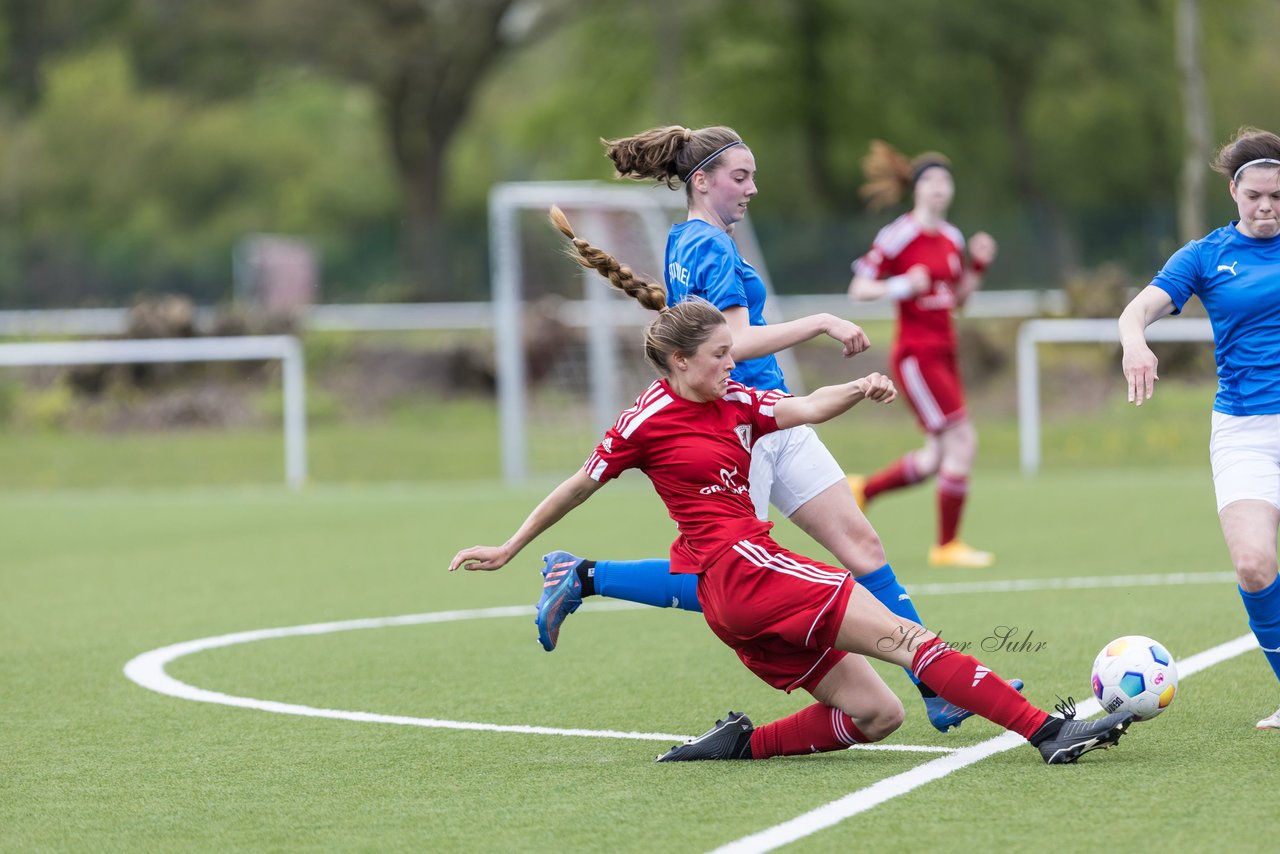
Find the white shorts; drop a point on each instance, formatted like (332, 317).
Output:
(1244, 451)
(788, 468)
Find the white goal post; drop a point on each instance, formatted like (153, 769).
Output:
(286, 348)
(1084, 330)
(600, 313)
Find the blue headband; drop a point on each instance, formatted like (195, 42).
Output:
(712, 156)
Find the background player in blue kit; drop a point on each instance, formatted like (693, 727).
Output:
(1235, 271)
(791, 469)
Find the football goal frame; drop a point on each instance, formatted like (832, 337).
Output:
(286, 348)
(1033, 333)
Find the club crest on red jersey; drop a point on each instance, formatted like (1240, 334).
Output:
(743, 432)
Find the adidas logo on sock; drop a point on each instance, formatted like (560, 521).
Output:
(978, 673)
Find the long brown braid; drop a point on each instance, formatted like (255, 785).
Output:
(681, 328)
(649, 294)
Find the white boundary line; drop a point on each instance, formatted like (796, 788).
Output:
(900, 784)
(1088, 582)
(148, 669)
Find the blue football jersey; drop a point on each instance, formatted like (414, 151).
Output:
(703, 261)
(1237, 278)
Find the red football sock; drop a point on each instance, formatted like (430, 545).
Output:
(952, 491)
(902, 472)
(813, 729)
(963, 680)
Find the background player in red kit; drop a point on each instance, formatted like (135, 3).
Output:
(793, 621)
(919, 260)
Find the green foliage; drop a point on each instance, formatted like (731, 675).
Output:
(1070, 107)
(142, 141)
(142, 190)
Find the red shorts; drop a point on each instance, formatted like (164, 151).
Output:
(931, 384)
(780, 611)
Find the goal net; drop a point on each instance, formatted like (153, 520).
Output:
(568, 346)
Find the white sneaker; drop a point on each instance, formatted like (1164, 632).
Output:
(1272, 722)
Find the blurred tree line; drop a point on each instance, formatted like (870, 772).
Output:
(141, 139)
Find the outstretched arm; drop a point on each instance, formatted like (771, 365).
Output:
(832, 400)
(568, 495)
(1139, 363)
(752, 342)
(903, 286)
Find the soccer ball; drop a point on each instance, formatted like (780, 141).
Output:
(1135, 674)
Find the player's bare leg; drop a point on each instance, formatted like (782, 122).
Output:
(833, 519)
(855, 688)
(958, 445)
(1249, 527)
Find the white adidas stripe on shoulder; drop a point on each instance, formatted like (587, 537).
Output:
(653, 400)
(895, 236)
(737, 392)
(955, 235)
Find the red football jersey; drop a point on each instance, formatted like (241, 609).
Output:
(698, 456)
(924, 321)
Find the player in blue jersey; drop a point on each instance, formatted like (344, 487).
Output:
(790, 469)
(1235, 271)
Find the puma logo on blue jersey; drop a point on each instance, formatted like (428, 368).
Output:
(1231, 269)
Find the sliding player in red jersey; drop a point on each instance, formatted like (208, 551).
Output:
(793, 621)
(920, 261)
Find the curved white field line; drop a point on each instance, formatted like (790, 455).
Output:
(148, 669)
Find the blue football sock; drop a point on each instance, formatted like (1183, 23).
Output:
(884, 585)
(1263, 608)
(649, 582)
